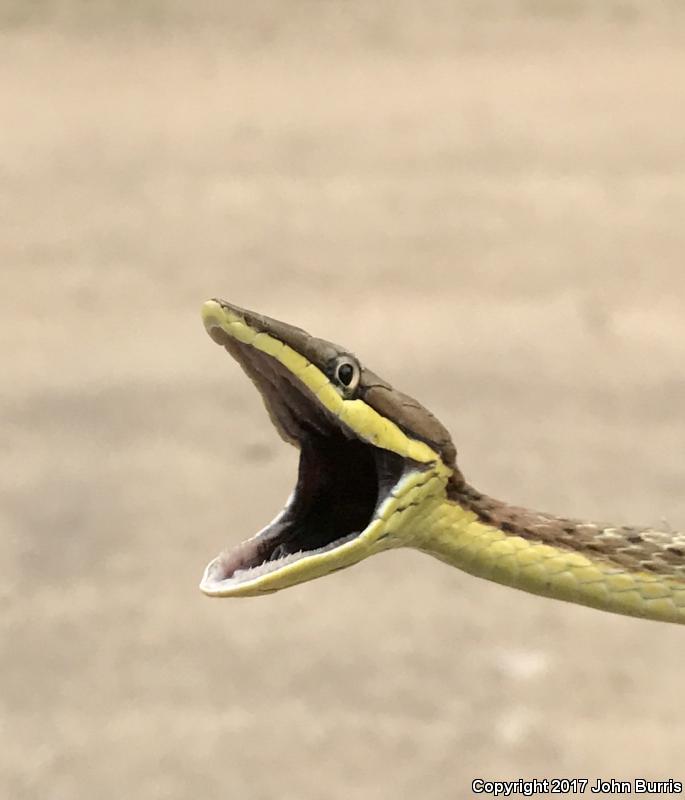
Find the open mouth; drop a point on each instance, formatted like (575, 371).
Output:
(342, 479)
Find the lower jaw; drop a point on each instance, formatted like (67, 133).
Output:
(293, 569)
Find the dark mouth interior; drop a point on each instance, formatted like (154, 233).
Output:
(341, 481)
(337, 490)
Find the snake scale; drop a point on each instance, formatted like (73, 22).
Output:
(377, 471)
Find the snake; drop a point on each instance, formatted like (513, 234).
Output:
(378, 471)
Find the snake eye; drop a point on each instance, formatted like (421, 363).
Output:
(347, 374)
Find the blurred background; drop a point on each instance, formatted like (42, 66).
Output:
(484, 200)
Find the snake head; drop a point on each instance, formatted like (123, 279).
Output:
(369, 456)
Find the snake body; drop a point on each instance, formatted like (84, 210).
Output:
(378, 471)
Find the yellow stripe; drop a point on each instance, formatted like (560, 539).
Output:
(365, 421)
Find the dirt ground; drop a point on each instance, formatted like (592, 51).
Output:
(487, 204)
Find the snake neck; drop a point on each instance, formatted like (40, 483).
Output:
(634, 571)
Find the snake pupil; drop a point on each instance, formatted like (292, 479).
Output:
(345, 374)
